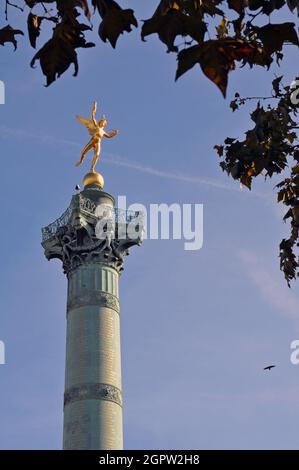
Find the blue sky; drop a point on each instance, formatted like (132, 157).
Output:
(197, 327)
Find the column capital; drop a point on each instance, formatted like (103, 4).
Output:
(92, 230)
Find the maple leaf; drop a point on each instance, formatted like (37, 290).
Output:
(171, 24)
(59, 52)
(7, 34)
(115, 20)
(217, 58)
(33, 23)
(273, 36)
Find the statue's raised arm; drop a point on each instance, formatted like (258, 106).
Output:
(93, 114)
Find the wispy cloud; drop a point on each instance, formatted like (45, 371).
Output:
(120, 161)
(273, 290)
(43, 138)
(113, 159)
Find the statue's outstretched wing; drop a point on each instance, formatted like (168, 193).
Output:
(88, 124)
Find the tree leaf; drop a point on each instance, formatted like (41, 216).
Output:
(67, 7)
(271, 5)
(115, 23)
(292, 4)
(115, 20)
(234, 105)
(55, 58)
(217, 58)
(273, 36)
(187, 58)
(219, 149)
(172, 24)
(104, 6)
(59, 52)
(237, 5)
(33, 23)
(276, 86)
(84, 5)
(7, 34)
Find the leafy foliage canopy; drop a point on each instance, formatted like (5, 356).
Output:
(217, 36)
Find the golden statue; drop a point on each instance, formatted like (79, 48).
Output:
(97, 132)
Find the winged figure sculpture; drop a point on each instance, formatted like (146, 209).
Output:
(97, 131)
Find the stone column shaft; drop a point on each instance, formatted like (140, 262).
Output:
(93, 397)
(92, 400)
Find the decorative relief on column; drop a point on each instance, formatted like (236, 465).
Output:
(93, 298)
(72, 238)
(93, 391)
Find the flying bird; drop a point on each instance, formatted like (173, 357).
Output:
(269, 367)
